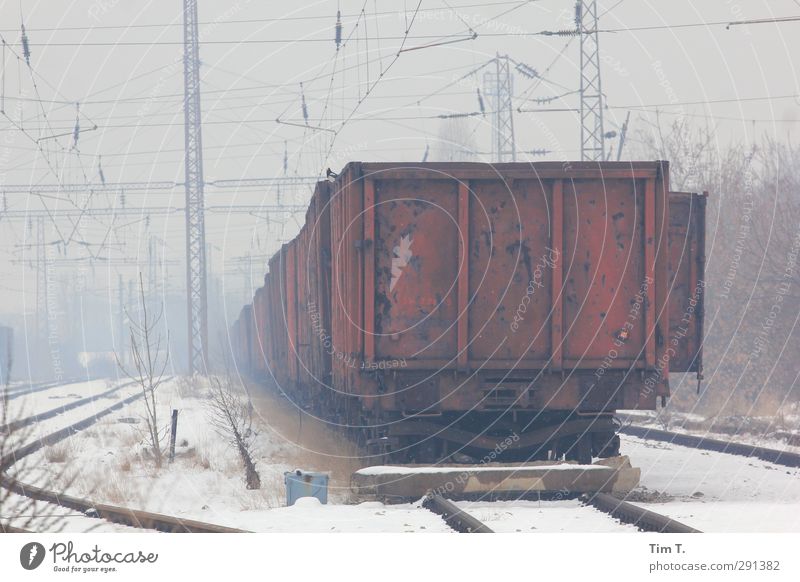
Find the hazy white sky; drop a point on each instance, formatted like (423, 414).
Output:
(121, 61)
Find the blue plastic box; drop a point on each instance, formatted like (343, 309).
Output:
(305, 484)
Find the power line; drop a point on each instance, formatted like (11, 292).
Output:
(252, 20)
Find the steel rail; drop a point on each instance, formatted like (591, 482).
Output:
(22, 422)
(16, 391)
(786, 458)
(644, 519)
(458, 519)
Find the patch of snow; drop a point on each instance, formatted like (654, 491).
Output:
(707, 485)
(557, 516)
(399, 470)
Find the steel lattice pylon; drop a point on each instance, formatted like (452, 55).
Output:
(499, 88)
(42, 298)
(195, 210)
(592, 138)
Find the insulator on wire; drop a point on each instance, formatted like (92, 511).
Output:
(569, 32)
(3, 97)
(303, 100)
(425, 155)
(76, 132)
(26, 47)
(527, 70)
(338, 29)
(100, 170)
(122, 198)
(285, 158)
(480, 102)
(457, 115)
(578, 14)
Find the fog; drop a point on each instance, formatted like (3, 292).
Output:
(719, 101)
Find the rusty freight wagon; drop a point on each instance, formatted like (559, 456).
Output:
(461, 308)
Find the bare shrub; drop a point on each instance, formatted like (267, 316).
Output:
(113, 490)
(58, 453)
(150, 363)
(232, 416)
(752, 273)
(125, 464)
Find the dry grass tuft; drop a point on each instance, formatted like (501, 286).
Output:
(58, 453)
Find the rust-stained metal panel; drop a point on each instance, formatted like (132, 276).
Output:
(510, 270)
(416, 265)
(260, 343)
(290, 286)
(564, 268)
(604, 261)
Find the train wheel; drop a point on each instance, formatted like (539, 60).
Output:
(605, 444)
(581, 450)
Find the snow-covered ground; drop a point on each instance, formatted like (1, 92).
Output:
(60, 396)
(108, 463)
(715, 492)
(310, 516)
(567, 515)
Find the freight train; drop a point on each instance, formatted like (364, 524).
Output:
(456, 311)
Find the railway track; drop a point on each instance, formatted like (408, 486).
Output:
(785, 458)
(458, 519)
(643, 519)
(22, 422)
(114, 514)
(17, 391)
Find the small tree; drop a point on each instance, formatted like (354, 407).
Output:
(150, 364)
(232, 416)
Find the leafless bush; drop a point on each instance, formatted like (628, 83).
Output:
(232, 416)
(150, 363)
(752, 271)
(57, 453)
(664, 418)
